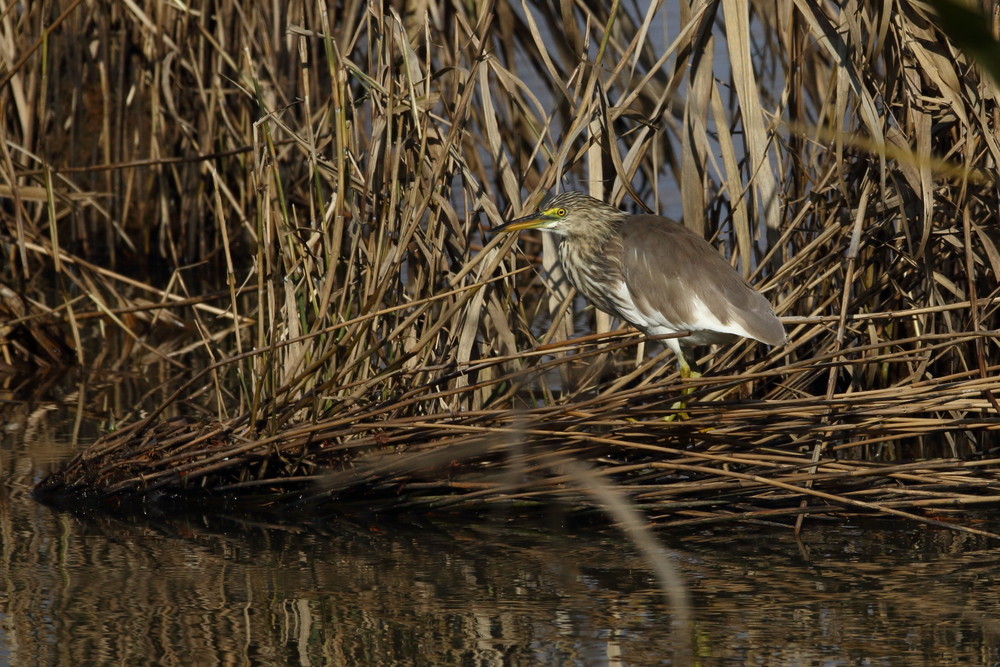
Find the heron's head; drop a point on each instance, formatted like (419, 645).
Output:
(569, 214)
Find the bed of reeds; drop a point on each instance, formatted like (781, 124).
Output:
(288, 208)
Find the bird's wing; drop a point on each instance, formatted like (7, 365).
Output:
(672, 271)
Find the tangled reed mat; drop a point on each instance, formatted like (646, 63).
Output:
(751, 446)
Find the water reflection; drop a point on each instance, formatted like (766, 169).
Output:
(207, 590)
(493, 590)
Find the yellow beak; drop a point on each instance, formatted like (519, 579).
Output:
(533, 221)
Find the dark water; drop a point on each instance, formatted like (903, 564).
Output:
(477, 591)
(99, 590)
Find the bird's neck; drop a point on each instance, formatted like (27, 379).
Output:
(605, 229)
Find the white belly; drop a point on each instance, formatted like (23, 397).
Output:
(705, 326)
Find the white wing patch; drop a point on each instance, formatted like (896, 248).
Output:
(628, 309)
(703, 319)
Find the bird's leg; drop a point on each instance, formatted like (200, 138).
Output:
(686, 371)
(686, 374)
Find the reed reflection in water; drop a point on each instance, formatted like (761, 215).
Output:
(210, 590)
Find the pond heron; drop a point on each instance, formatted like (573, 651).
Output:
(653, 273)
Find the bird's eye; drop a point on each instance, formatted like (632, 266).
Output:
(560, 212)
